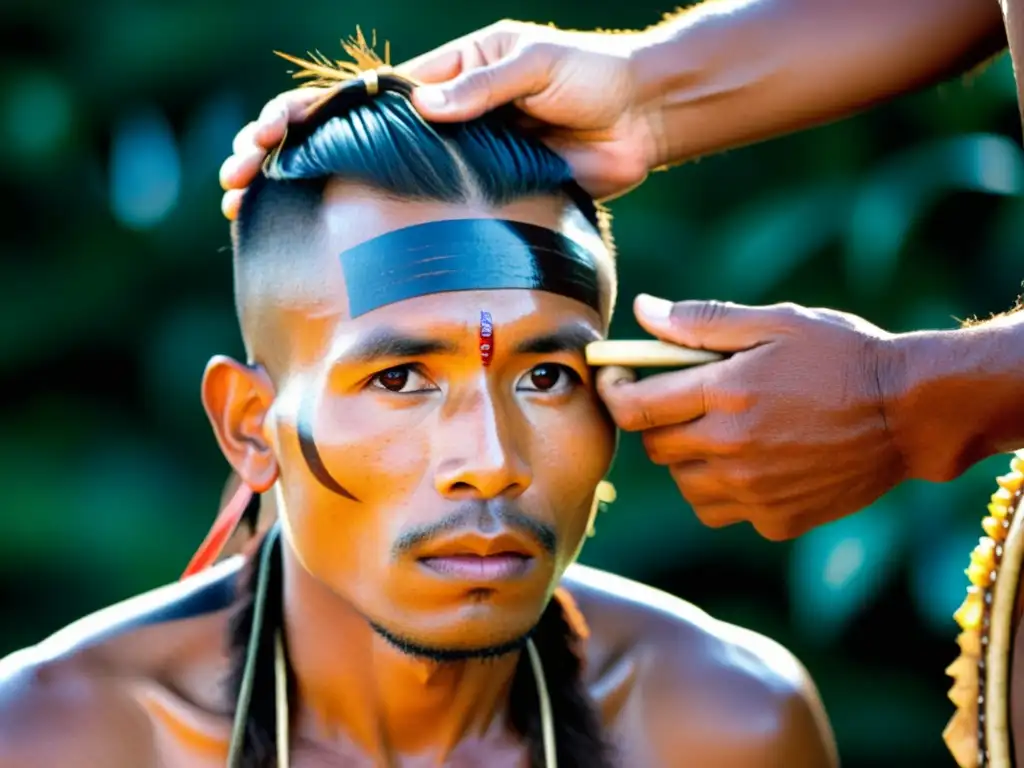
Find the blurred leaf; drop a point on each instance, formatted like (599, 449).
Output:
(649, 526)
(145, 170)
(997, 78)
(36, 117)
(752, 250)
(1003, 262)
(179, 349)
(836, 570)
(79, 300)
(896, 196)
(879, 710)
(937, 581)
(206, 142)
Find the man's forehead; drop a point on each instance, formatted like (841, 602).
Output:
(375, 251)
(352, 214)
(351, 273)
(522, 327)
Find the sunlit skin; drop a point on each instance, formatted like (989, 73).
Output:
(417, 440)
(508, 456)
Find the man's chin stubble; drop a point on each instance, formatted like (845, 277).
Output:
(450, 655)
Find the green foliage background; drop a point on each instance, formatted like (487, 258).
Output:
(115, 290)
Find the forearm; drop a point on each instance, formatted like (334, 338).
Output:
(732, 72)
(959, 396)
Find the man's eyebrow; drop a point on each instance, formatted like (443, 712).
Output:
(388, 343)
(568, 338)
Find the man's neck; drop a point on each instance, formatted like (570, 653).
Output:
(353, 685)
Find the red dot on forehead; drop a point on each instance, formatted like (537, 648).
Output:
(486, 338)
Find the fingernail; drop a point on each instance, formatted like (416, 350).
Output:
(623, 376)
(228, 169)
(615, 375)
(431, 96)
(653, 308)
(271, 113)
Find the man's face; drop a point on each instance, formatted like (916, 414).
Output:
(441, 497)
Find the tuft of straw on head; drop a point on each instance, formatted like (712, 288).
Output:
(321, 72)
(330, 76)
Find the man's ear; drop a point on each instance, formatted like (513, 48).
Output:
(237, 398)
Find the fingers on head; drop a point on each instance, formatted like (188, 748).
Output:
(605, 176)
(290, 106)
(230, 202)
(448, 62)
(467, 52)
(270, 131)
(478, 89)
(245, 139)
(266, 131)
(238, 171)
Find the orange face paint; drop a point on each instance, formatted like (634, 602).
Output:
(188, 736)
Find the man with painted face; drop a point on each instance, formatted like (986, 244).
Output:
(883, 407)
(414, 301)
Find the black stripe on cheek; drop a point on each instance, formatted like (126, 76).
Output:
(307, 444)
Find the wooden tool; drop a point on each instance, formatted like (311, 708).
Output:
(648, 353)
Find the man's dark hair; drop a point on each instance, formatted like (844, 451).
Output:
(381, 141)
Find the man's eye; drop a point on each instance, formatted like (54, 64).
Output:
(403, 379)
(549, 377)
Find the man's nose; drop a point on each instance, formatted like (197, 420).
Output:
(478, 455)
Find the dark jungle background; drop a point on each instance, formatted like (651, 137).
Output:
(115, 290)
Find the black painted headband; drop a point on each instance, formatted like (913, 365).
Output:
(467, 255)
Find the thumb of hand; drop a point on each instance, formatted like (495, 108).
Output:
(613, 376)
(480, 90)
(716, 325)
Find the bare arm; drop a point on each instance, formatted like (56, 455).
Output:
(719, 75)
(732, 72)
(959, 396)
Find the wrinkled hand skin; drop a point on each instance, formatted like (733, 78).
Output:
(787, 433)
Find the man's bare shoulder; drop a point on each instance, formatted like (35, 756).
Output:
(60, 711)
(71, 696)
(704, 683)
(206, 593)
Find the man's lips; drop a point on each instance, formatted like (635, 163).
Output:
(479, 544)
(480, 557)
(476, 568)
